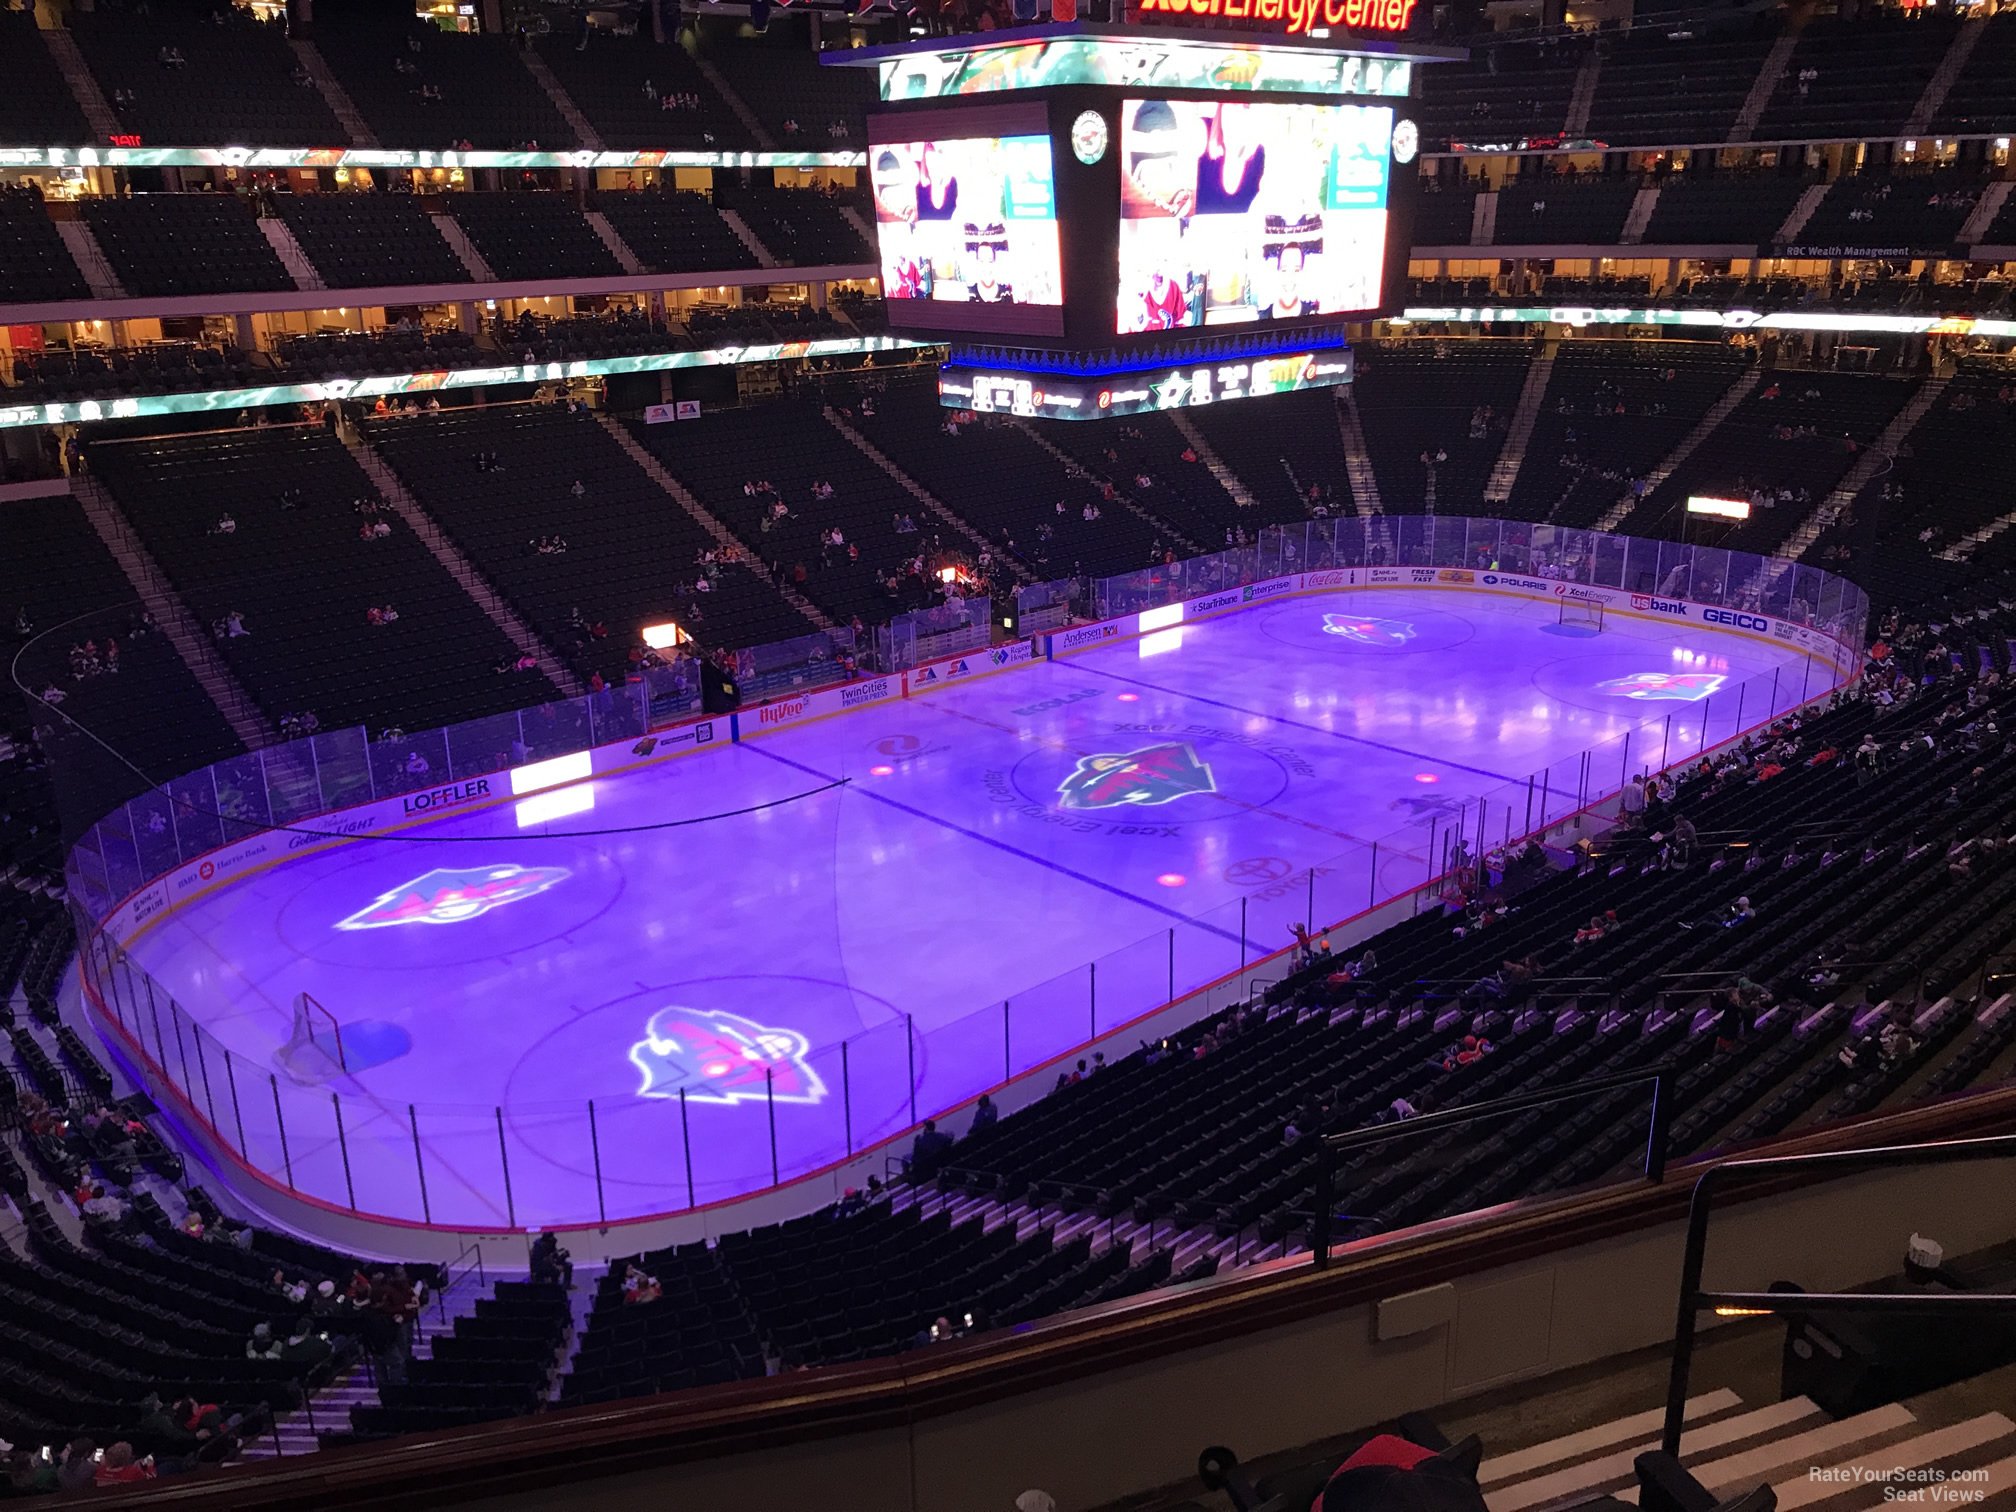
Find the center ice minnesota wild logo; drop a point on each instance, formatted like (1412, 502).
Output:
(1154, 774)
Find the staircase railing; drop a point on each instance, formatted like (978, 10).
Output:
(1805, 1169)
(1332, 1146)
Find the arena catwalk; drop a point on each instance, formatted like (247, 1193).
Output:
(896, 908)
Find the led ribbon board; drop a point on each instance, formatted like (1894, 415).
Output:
(404, 158)
(400, 384)
(1138, 61)
(1096, 396)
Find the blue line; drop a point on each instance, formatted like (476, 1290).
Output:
(1296, 724)
(960, 829)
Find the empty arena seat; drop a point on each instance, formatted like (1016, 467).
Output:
(800, 227)
(37, 105)
(238, 80)
(719, 454)
(420, 86)
(34, 264)
(362, 240)
(184, 244)
(1019, 496)
(303, 581)
(532, 236)
(1611, 414)
(1455, 398)
(632, 554)
(674, 231)
(639, 94)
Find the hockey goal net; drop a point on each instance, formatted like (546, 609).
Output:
(1582, 614)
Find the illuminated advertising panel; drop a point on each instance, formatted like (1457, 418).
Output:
(1099, 396)
(1727, 509)
(1251, 213)
(966, 223)
(1294, 18)
(1139, 62)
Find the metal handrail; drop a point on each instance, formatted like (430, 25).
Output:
(1531, 982)
(1824, 1166)
(1330, 1146)
(1988, 969)
(448, 1276)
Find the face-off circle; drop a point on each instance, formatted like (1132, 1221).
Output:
(1638, 684)
(737, 1046)
(1366, 624)
(1165, 776)
(396, 906)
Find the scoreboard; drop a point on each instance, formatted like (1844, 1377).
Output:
(1122, 193)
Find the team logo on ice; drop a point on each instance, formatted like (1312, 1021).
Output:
(1368, 630)
(1684, 687)
(448, 895)
(1151, 775)
(722, 1057)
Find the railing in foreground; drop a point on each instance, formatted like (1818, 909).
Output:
(1659, 1077)
(1805, 1169)
(491, 1166)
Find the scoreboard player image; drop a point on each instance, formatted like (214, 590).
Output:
(1234, 213)
(969, 220)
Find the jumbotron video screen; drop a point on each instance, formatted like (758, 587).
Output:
(1240, 213)
(1084, 217)
(966, 220)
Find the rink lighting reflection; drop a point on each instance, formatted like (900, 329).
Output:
(1172, 879)
(1426, 777)
(880, 771)
(558, 804)
(1160, 641)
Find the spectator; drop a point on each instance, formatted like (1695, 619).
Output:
(985, 1116)
(305, 1347)
(1631, 802)
(78, 1468)
(640, 1288)
(550, 1261)
(119, 1468)
(928, 1150)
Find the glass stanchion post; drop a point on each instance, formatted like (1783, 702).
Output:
(237, 1112)
(846, 1099)
(419, 1163)
(343, 1144)
(686, 1139)
(203, 1068)
(770, 1102)
(280, 1123)
(595, 1147)
(504, 1163)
